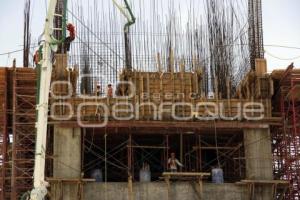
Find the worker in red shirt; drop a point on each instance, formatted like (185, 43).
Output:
(36, 58)
(71, 37)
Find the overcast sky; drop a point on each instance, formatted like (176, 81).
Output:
(280, 19)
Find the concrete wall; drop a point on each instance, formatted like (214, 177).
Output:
(67, 152)
(258, 154)
(67, 160)
(159, 191)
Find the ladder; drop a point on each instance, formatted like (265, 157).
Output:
(59, 24)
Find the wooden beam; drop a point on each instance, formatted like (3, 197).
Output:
(165, 125)
(212, 148)
(195, 174)
(147, 147)
(74, 180)
(266, 181)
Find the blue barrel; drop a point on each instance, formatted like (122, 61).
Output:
(145, 175)
(97, 175)
(217, 175)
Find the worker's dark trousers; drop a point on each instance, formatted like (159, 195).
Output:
(68, 43)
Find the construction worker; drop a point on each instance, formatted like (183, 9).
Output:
(37, 57)
(73, 78)
(71, 37)
(98, 90)
(173, 162)
(109, 91)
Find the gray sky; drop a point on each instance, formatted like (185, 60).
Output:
(280, 18)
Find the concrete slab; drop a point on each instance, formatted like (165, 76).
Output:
(159, 191)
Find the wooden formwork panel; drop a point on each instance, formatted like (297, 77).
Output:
(156, 82)
(3, 135)
(146, 110)
(152, 89)
(256, 87)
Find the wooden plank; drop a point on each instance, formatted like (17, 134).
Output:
(200, 125)
(196, 174)
(265, 181)
(147, 147)
(69, 180)
(159, 66)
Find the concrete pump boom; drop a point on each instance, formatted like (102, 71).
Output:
(49, 45)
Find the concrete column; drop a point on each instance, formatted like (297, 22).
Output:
(258, 154)
(67, 160)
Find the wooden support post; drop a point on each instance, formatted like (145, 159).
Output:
(159, 67)
(135, 98)
(83, 135)
(192, 90)
(228, 95)
(141, 93)
(161, 89)
(61, 190)
(200, 187)
(129, 152)
(130, 173)
(197, 165)
(274, 190)
(173, 86)
(167, 180)
(167, 152)
(148, 92)
(216, 88)
(181, 149)
(182, 86)
(200, 153)
(105, 157)
(250, 191)
(78, 190)
(130, 188)
(182, 66)
(171, 61)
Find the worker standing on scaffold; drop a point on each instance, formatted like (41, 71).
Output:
(109, 91)
(173, 162)
(71, 37)
(38, 55)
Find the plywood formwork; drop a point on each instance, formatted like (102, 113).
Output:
(4, 138)
(162, 83)
(255, 86)
(147, 93)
